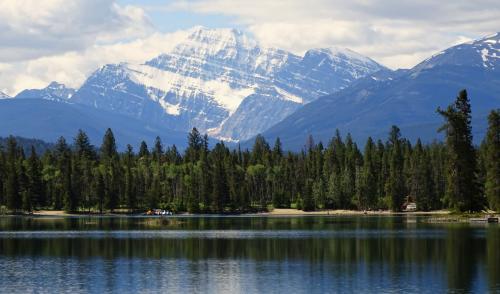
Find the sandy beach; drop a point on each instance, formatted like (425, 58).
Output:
(295, 212)
(276, 212)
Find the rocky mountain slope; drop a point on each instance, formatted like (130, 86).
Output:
(222, 82)
(54, 92)
(407, 98)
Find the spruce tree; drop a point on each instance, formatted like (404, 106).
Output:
(395, 189)
(277, 151)
(492, 160)
(158, 150)
(129, 189)
(82, 146)
(220, 192)
(25, 190)
(195, 145)
(34, 172)
(99, 190)
(421, 187)
(308, 201)
(108, 147)
(367, 191)
(462, 190)
(112, 170)
(143, 150)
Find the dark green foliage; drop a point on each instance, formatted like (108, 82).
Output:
(368, 175)
(491, 148)
(143, 150)
(395, 184)
(421, 183)
(26, 144)
(36, 188)
(108, 147)
(220, 180)
(12, 186)
(463, 192)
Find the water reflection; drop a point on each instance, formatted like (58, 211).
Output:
(242, 254)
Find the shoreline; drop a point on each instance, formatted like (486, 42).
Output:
(284, 212)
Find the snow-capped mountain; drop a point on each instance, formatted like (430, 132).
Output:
(407, 98)
(222, 82)
(482, 53)
(54, 92)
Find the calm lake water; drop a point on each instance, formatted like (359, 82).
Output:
(247, 255)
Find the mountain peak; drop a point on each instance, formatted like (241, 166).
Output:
(222, 82)
(338, 59)
(201, 31)
(55, 85)
(216, 40)
(483, 52)
(54, 91)
(335, 52)
(493, 37)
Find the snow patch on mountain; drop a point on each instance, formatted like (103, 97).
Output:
(53, 92)
(221, 81)
(170, 108)
(483, 53)
(288, 96)
(185, 86)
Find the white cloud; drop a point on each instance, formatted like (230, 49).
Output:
(43, 41)
(65, 40)
(34, 28)
(397, 33)
(73, 67)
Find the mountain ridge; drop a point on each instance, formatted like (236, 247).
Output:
(204, 80)
(407, 98)
(54, 92)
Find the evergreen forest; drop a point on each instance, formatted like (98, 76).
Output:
(79, 177)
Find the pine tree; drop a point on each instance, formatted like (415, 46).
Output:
(308, 201)
(143, 150)
(195, 145)
(421, 187)
(492, 160)
(260, 151)
(395, 188)
(34, 172)
(108, 147)
(158, 150)
(367, 192)
(82, 145)
(129, 189)
(111, 174)
(277, 151)
(463, 191)
(99, 190)
(25, 190)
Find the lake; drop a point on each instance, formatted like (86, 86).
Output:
(313, 254)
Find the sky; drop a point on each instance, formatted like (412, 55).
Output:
(66, 40)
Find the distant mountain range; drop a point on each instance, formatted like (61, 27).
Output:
(48, 120)
(221, 82)
(224, 83)
(54, 92)
(407, 98)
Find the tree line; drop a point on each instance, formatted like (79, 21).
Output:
(79, 177)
